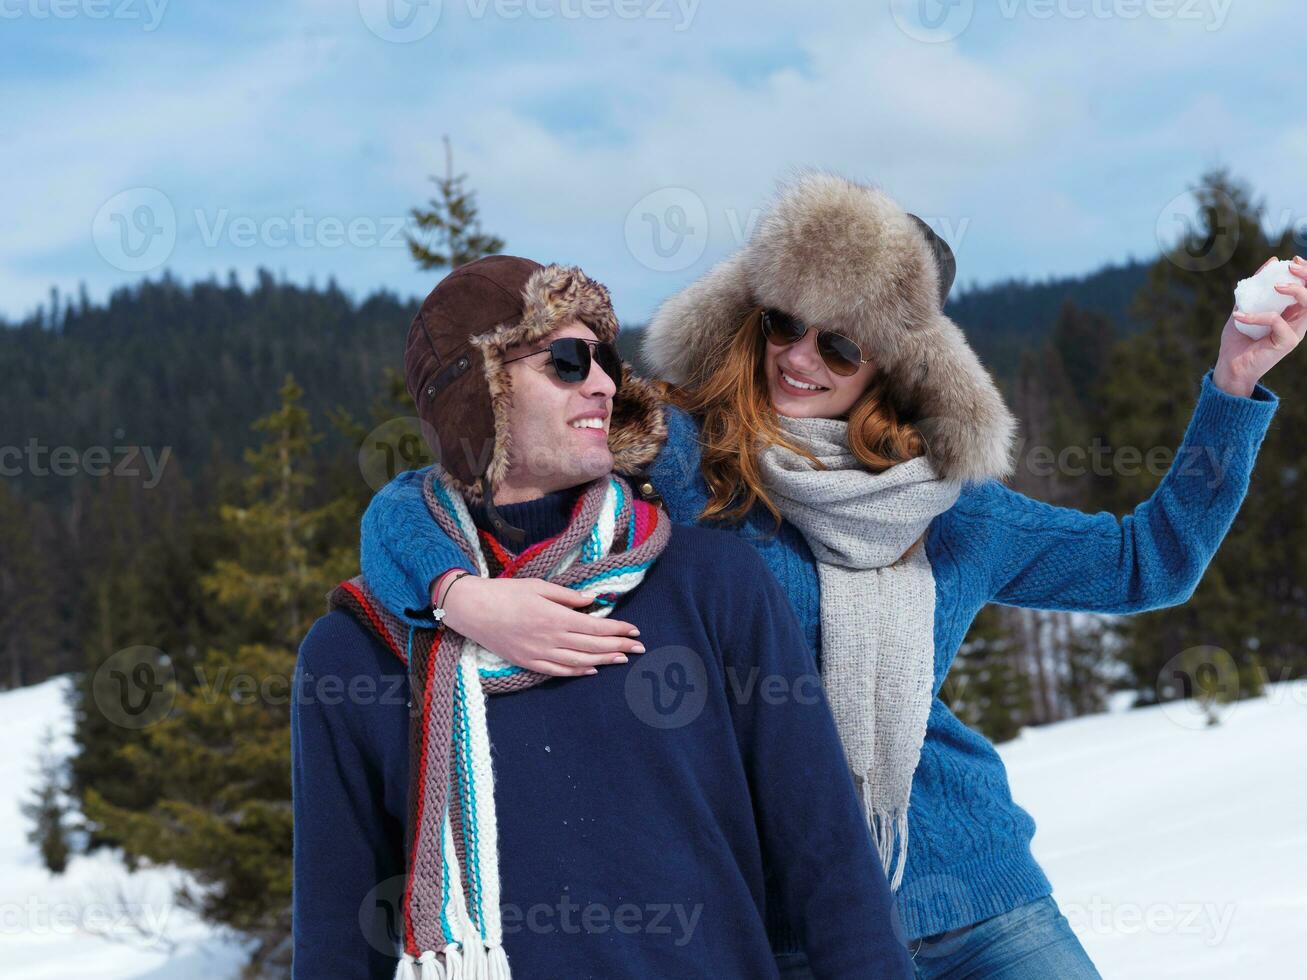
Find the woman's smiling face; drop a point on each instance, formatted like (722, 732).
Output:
(802, 386)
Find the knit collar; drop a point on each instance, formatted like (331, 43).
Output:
(541, 518)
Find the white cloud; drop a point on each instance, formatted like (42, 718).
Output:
(1054, 143)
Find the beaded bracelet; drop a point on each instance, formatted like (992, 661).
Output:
(438, 609)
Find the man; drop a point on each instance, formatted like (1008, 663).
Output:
(631, 814)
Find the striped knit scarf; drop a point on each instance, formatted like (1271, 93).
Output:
(452, 928)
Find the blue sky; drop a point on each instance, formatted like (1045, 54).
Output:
(636, 138)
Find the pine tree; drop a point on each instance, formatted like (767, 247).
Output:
(48, 809)
(1024, 666)
(140, 554)
(1251, 600)
(275, 533)
(451, 223)
(28, 629)
(220, 759)
(1083, 340)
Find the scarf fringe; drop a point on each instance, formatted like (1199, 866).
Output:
(497, 961)
(431, 968)
(453, 963)
(889, 831)
(424, 967)
(476, 962)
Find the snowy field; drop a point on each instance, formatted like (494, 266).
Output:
(97, 920)
(1175, 850)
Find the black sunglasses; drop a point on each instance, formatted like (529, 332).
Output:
(571, 359)
(837, 351)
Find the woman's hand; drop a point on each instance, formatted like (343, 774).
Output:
(534, 624)
(1242, 360)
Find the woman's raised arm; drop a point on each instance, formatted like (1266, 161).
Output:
(1033, 554)
(1036, 555)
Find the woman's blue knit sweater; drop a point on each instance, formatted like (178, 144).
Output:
(969, 852)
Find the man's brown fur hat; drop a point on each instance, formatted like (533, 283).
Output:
(453, 363)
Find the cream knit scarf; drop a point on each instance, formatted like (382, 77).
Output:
(877, 607)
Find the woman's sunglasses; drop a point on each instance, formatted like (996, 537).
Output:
(571, 359)
(837, 351)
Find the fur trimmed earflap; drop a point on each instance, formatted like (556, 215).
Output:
(844, 256)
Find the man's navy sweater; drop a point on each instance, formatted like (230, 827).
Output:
(638, 807)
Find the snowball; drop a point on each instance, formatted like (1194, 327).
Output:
(1257, 294)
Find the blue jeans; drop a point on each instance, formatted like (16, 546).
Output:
(1032, 942)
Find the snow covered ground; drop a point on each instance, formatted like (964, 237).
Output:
(1175, 850)
(96, 920)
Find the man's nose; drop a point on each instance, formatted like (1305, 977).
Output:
(598, 382)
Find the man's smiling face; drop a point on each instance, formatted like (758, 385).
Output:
(559, 431)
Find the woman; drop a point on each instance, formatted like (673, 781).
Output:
(820, 383)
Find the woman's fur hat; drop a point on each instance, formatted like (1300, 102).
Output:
(843, 256)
